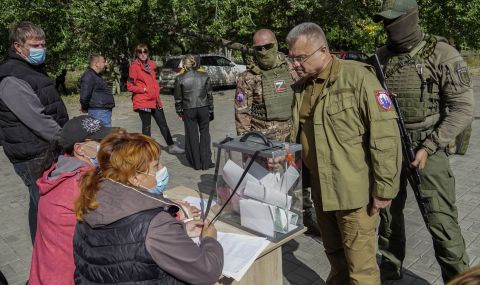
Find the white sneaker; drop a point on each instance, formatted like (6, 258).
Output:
(175, 149)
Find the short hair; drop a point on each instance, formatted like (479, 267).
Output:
(25, 30)
(141, 47)
(311, 31)
(188, 61)
(94, 57)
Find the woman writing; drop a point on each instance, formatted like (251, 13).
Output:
(127, 235)
(142, 82)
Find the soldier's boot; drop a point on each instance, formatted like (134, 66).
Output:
(390, 272)
(310, 221)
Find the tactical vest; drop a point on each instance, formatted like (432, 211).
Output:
(408, 77)
(277, 95)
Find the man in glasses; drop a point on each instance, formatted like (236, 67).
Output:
(434, 91)
(263, 100)
(31, 110)
(347, 126)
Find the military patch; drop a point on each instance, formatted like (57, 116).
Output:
(240, 97)
(280, 86)
(383, 100)
(462, 72)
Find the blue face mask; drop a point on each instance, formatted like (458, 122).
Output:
(94, 159)
(162, 181)
(37, 56)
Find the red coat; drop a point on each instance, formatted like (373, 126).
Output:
(139, 79)
(52, 257)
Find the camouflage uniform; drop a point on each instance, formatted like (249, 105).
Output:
(250, 91)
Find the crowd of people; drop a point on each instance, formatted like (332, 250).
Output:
(97, 213)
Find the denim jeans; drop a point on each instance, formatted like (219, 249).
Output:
(104, 115)
(29, 171)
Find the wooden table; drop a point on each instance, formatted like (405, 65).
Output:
(267, 268)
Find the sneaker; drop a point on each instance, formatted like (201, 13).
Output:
(175, 149)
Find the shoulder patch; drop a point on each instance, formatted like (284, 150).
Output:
(383, 100)
(462, 72)
(240, 97)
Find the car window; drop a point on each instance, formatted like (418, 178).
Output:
(172, 63)
(352, 56)
(338, 55)
(207, 61)
(221, 61)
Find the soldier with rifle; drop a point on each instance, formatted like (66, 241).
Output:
(429, 81)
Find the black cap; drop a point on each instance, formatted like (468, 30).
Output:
(81, 128)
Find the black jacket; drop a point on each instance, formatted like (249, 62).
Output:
(193, 90)
(95, 92)
(22, 142)
(116, 253)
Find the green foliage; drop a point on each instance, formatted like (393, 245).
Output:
(76, 28)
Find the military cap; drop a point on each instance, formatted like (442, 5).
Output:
(392, 9)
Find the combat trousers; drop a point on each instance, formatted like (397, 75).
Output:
(438, 193)
(349, 238)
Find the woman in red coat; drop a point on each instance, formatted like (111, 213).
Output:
(145, 90)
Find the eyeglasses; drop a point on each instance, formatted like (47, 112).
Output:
(301, 59)
(264, 47)
(142, 51)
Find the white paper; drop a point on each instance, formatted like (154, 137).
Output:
(289, 178)
(240, 251)
(283, 220)
(254, 190)
(256, 216)
(197, 202)
(232, 173)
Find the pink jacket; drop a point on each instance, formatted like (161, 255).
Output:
(52, 258)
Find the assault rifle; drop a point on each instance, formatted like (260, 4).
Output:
(407, 145)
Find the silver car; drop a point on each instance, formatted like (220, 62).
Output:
(222, 71)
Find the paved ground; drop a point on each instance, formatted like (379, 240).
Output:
(304, 261)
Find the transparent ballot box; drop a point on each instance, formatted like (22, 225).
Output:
(259, 185)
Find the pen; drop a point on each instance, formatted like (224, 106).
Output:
(188, 220)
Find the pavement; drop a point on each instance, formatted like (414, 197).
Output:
(304, 261)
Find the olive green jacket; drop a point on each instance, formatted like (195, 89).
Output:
(357, 139)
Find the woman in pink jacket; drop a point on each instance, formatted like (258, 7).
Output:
(142, 82)
(52, 258)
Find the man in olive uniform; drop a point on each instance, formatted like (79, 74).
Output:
(263, 101)
(347, 126)
(433, 87)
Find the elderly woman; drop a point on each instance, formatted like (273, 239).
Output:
(194, 104)
(142, 82)
(126, 234)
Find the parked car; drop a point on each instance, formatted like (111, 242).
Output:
(351, 55)
(222, 71)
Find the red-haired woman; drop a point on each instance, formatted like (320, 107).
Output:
(127, 235)
(142, 82)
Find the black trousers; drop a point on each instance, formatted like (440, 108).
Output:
(197, 150)
(159, 116)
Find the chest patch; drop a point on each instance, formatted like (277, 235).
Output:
(383, 100)
(280, 86)
(240, 97)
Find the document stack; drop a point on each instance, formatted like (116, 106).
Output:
(267, 201)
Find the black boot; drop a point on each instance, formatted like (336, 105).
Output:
(310, 221)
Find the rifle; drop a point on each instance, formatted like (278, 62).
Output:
(407, 145)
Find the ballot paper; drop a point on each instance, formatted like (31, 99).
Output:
(240, 251)
(288, 180)
(257, 216)
(268, 195)
(199, 203)
(232, 173)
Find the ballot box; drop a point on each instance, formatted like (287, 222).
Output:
(259, 185)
